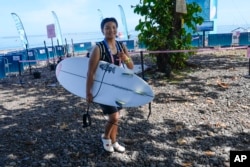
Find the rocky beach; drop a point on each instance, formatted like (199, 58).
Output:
(198, 116)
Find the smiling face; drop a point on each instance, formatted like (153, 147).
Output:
(110, 30)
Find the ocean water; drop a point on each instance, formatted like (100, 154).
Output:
(14, 42)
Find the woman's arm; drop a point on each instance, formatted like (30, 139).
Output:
(93, 62)
(125, 57)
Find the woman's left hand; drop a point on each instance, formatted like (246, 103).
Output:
(122, 56)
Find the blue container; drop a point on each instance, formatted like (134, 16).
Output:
(2, 68)
(220, 39)
(141, 45)
(244, 38)
(81, 47)
(197, 41)
(59, 51)
(41, 53)
(11, 63)
(32, 55)
(51, 52)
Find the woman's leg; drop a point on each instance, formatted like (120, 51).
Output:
(111, 131)
(111, 128)
(114, 118)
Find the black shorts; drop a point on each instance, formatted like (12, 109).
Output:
(107, 110)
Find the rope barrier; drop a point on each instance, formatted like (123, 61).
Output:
(160, 51)
(187, 50)
(155, 52)
(32, 61)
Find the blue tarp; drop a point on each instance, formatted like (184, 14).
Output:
(11, 62)
(2, 68)
(81, 47)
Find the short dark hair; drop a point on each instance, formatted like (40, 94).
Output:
(108, 19)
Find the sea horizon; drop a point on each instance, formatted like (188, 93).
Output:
(14, 42)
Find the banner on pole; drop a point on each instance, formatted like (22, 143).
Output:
(58, 28)
(20, 29)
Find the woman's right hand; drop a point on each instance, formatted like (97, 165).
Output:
(89, 97)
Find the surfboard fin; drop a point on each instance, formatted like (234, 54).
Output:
(127, 74)
(120, 103)
(140, 92)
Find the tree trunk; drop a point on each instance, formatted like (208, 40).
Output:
(163, 63)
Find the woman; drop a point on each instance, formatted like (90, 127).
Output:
(108, 50)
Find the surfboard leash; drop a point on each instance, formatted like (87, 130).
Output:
(105, 70)
(150, 111)
(86, 119)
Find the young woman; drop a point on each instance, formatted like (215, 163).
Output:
(118, 55)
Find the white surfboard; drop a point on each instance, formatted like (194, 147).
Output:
(138, 68)
(113, 85)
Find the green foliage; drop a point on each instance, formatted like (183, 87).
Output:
(161, 29)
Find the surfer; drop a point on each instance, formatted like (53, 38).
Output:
(114, 52)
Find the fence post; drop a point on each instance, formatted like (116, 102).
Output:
(66, 47)
(19, 68)
(143, 77)
(20, 73)
(142, 65)
(47, 52)
(248, 56)
(73, 54)
(27, 53)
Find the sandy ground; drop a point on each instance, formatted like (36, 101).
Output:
(197, 118)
